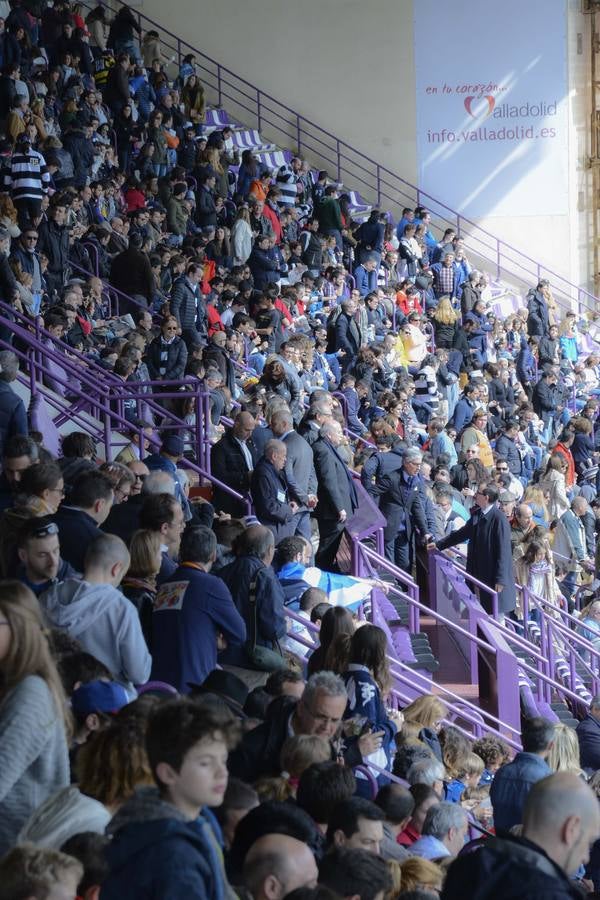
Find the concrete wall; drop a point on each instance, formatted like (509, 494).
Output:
(349, 65)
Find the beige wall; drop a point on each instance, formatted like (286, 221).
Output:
(349, 65)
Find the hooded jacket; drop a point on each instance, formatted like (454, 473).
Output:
(64, 814)
(155, 854)
(105, 623)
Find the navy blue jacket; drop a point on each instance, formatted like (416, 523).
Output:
(366, 282)
(511, 786)
(13, 418)
(160, 858)
(271, 496)
(76, 531)
(588, 732)
(477, 339)
(463, 413)
(264, 267)
(190, 610)
(507, 449)
(270, 615)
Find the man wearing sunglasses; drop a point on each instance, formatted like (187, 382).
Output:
(40, 563)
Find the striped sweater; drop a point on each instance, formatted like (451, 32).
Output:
(28, 176)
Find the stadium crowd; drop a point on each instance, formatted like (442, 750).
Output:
(168, 727)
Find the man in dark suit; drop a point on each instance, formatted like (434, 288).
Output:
(489, 556)
(588, 733)
(232, 461)
(299, 468)
(337, 497)
(271, 492)
(402, 505)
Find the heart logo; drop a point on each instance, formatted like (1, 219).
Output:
(482, 112)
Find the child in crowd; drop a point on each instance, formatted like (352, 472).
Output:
(495, 753)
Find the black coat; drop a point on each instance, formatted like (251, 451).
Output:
(259, 751)
(183, 302)
(227, 463)
(401, 505)
(544, 399)
(509, 868)
(336, 490)
(588, 733)
(469, 297)
(489, 555)
(271, 496)
(76, 531)
(13, 418)
(347, 337)
(131, 274)
(176, 359)
(54, 243)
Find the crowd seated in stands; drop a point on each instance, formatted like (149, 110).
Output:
(192, 701)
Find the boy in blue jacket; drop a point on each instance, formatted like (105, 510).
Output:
(166, 844)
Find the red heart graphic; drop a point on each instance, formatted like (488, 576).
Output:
(483, 113)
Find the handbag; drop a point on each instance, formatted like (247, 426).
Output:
(262, 657)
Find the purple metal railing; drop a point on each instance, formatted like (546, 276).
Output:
(255, 108)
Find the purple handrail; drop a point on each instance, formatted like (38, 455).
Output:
(381, 183)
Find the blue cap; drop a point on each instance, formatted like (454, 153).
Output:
(99, 696)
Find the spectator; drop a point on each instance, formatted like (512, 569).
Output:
(397, 804)
(355, 872)
(276, 865)
(271, 492)
(40, 565)
(588, 733)
(162, 514)
(164, 840)
(319, 711)
(79, 520)
(19, 454)
(544, 859)
(13, 419)
(336, 493)
(233, 458)
(99, 616)
(193, 615)
(514, 780)
(356, 824)
(258, 598)
(34, 760)
(40, 873)
(489, 557)
(444, 832)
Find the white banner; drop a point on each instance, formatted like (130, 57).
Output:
(492, 123)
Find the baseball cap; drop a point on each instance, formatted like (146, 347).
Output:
(173, 445)
(99, 696)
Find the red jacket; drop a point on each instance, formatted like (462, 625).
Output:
(214, 320)
(273, 218)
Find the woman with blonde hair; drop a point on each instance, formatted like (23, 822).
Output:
(563, 755)
(534, 497)
(34, 719)
(445, 320)
(429, 712)
(414, 874)
(139, 585)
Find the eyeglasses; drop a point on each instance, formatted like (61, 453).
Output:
(31, 237)
(60, 491)
(140, 477)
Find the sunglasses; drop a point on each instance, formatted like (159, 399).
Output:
(140, 477)
(45, 530)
